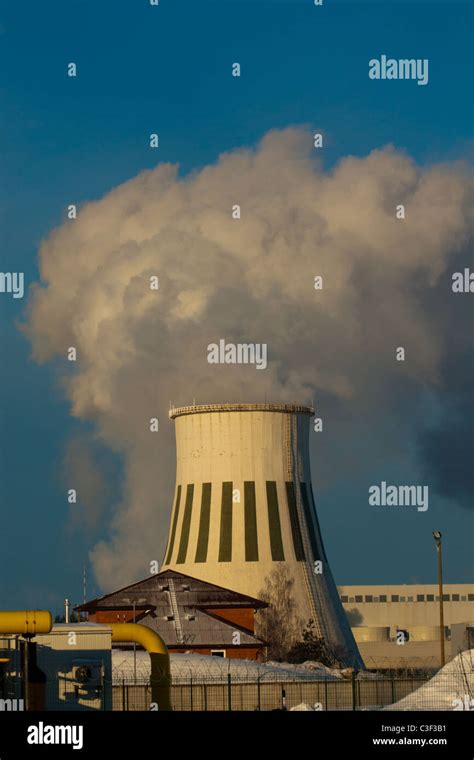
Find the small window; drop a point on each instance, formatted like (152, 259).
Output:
(455, 598)
(463, 599)
(446, 597)
(470, 597)
(344, 599)
(409, 598)
(395, 597)
(369, 598)
(376, 599)
(351, 599)
(359, 598)
(420, 598)
(218, 652)
(430, 597)
(402, 599)
(383, 598)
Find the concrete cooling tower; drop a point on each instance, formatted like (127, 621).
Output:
(244, 503)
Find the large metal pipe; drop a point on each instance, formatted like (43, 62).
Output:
(31, 622)
(159, 656)
(26, 622)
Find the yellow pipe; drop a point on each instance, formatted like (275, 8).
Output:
(26, 622)
(159, 656)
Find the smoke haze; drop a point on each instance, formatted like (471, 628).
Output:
(386, 283)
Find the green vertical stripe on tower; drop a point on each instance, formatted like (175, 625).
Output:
(310, 521)
(183, 544)
(250, 512)
(276, 542)
(295, 523)
(317, 524)
(203, 537)
(173, 528)
(225, 543)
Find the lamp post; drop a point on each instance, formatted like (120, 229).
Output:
(437, 538)
(126, 600)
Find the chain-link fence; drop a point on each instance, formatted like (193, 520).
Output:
(352, 694)
(246, 689)
(216, 694)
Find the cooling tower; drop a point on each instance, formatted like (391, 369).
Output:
(244, 504)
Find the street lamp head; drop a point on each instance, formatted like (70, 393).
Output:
(437, 536)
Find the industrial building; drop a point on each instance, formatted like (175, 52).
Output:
(377, 613)
(244, 505)
(190, 615)
(68, 666)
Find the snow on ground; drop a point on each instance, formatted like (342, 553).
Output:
(322, 671)
(204, 668)
(453, 682)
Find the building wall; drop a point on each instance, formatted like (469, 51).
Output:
(114, 616)
(389, 655)
(241, 617)
(416, 611)
(57, 654)
(408, 611)
(240, 653)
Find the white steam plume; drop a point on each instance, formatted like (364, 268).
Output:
(247, 280)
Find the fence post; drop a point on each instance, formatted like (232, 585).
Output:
(258, 693)
(354, 692)
(393, 691)
(123, 694)
(229, 692)
(326, 692)
(191, 683)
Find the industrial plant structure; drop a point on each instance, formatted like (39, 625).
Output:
(190, 615)
(244, 506)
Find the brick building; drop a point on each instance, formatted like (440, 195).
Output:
(190, 615)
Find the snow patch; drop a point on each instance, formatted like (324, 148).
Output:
(450, 688)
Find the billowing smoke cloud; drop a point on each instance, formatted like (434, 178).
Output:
(446, 441)
(385, 284)
(84, 467)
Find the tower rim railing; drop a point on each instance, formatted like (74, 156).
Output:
(179, 411)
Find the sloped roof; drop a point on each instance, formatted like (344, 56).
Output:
(175, 606)
(203, 593)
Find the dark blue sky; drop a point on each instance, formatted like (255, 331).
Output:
(143, 69)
